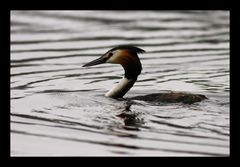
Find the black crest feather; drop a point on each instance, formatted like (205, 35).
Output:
(129, 47)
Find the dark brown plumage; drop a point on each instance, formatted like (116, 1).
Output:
(173, 97)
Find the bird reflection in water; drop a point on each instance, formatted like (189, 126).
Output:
(131, 119)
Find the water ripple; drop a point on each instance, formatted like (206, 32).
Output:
(58, 104)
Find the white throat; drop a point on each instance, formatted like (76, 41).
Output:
(121, 88)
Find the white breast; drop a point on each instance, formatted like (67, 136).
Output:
(120, 86)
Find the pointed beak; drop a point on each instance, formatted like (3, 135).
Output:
(100, 60)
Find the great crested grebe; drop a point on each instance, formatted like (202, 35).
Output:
(126, 55)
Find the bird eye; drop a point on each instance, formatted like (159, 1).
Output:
(110, 54)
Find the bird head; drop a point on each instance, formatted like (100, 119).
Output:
(125, 55)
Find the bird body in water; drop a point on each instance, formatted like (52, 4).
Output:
(126, 55)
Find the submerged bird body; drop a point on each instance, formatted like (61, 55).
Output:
(172, 97)
(126, 55)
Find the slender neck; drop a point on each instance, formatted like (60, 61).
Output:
(121, 88)
(132, 68)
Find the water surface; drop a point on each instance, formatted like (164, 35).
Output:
(58, 107)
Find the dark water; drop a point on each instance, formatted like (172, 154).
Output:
(58, 107)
